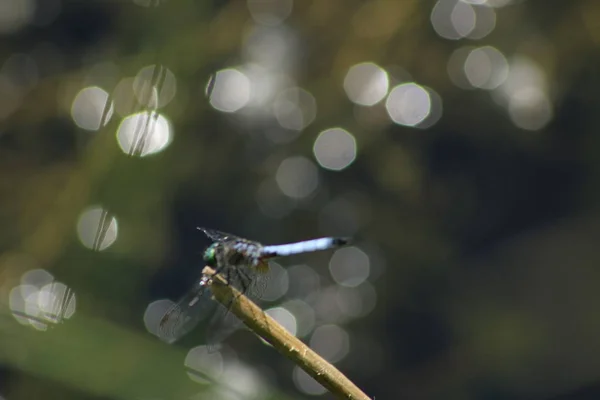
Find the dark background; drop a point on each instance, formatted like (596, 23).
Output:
(482, 234)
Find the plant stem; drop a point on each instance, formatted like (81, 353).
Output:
(283, 341)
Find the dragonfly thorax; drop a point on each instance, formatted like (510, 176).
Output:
(233, 254)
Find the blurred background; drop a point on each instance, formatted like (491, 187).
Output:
(453, 139)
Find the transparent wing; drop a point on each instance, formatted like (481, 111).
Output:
(222, 324)
(259, 284)
(186, 313)
(218, 236)
(249, 282)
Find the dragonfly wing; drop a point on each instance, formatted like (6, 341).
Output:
(222, 324)
(218, 236)
(184, 315)
(250, 283)
(257, 288)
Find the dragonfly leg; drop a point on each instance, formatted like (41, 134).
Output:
(244, 281)
(227, 274)
(221, 263)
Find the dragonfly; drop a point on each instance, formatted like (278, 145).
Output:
(243, 264)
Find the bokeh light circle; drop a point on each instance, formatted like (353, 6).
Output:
(91, 108)
(366, 84)
(335, 149)
(144, 133)
(408, 104)
(230, 90)
(297, 177)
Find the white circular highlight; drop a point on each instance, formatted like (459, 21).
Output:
(486, 68)
(304, 315)
(295, 109)
(530, 109)
(408, 104)
(454, 19)
(97, 229)
(331, 342)
(144, 133)
(366, 84)
(39, 301)
(153, 314)
(89, 106)
(202, 363)
(278, 282)
(306, 383)
(297, 177)
(335, 149)
(285, 318)
(154, 86)
(349, 266)
(230, 90)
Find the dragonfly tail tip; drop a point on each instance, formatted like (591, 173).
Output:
(341, 241)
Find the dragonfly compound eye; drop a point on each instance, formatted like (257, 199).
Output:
(210, 255)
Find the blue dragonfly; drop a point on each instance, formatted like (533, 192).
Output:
(243, 264)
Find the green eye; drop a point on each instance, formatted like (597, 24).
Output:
(210, 255)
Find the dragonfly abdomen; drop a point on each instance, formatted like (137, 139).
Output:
(306, 246)
(245, 251)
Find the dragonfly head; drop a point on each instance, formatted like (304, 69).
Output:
(210, 255)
